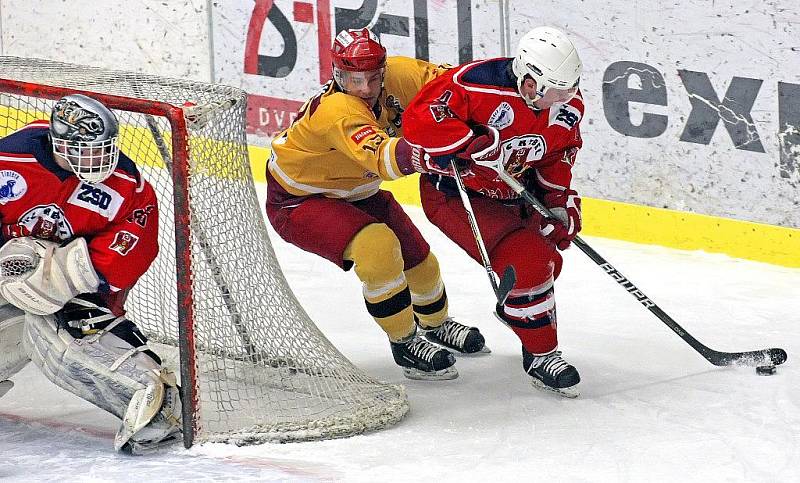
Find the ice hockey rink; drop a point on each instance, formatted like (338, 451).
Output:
(651, 408)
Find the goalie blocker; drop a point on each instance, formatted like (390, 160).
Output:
(80, 345)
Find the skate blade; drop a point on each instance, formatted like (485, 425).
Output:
(484, 350)
(5, 386)
(443, 375)
(569, 392)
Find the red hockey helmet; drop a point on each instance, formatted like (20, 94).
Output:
(358, 50)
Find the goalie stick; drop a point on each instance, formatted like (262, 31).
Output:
(773, 356)
(504, 285)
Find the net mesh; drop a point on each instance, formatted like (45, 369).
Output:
(264, 372)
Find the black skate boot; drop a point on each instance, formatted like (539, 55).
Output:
(422, 360)
(458, 337)
(551, 373)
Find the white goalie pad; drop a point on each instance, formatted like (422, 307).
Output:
(12, 355)
(110, 373)
(39, 277)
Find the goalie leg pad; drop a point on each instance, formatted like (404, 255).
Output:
(108, 368)
(12, 355)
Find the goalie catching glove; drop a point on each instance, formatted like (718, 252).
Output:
(39, 276)
(566, 207)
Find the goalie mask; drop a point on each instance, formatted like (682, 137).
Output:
(84, 132)
(549, 58)
(359, 63)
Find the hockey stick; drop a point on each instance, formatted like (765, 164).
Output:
(503, 286)
(774, 356)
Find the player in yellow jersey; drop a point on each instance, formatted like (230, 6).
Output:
(324, 196)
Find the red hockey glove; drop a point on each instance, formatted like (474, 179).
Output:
(566, 207)
(484, 149)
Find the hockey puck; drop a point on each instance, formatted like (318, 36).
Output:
(765, 370)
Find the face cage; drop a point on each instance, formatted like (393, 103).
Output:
(350, 81)
(91, 161)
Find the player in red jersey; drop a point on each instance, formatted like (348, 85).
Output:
(79, 227)
(522, 115)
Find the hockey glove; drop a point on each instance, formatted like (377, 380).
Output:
(484, 149)
(566, 207)
(412, 159)
(39, 276)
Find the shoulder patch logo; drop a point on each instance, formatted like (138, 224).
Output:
(440, 108)
(123, 243)
(12, 186)
(362, 133)
(502, 117)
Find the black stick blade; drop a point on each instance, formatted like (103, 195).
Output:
(778, 356)
(506, 284)
(775, 357)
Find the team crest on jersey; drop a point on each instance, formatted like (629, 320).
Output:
(397, 120)
(123, 243)
(440, 107)
(521, 151)
(47, 222)
(565, 115)
(12, 186)
(502, 117)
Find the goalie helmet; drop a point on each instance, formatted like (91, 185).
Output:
(356, 54)
(84, 132)
(549, 58)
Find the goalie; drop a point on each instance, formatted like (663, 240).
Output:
(79, 227)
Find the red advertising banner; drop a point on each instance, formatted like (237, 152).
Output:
(267, 116)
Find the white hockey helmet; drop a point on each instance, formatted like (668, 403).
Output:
(550, 58)
(85, 133)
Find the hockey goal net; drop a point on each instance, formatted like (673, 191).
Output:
(253, 366)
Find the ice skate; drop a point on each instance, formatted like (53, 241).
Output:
(550, 372)
(458, 337)
(424, 361)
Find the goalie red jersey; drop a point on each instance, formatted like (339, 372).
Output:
(118, 217)
(538, 147)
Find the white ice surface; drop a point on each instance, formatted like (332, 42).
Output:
(651, 408)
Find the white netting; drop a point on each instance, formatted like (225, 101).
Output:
(264, 370)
